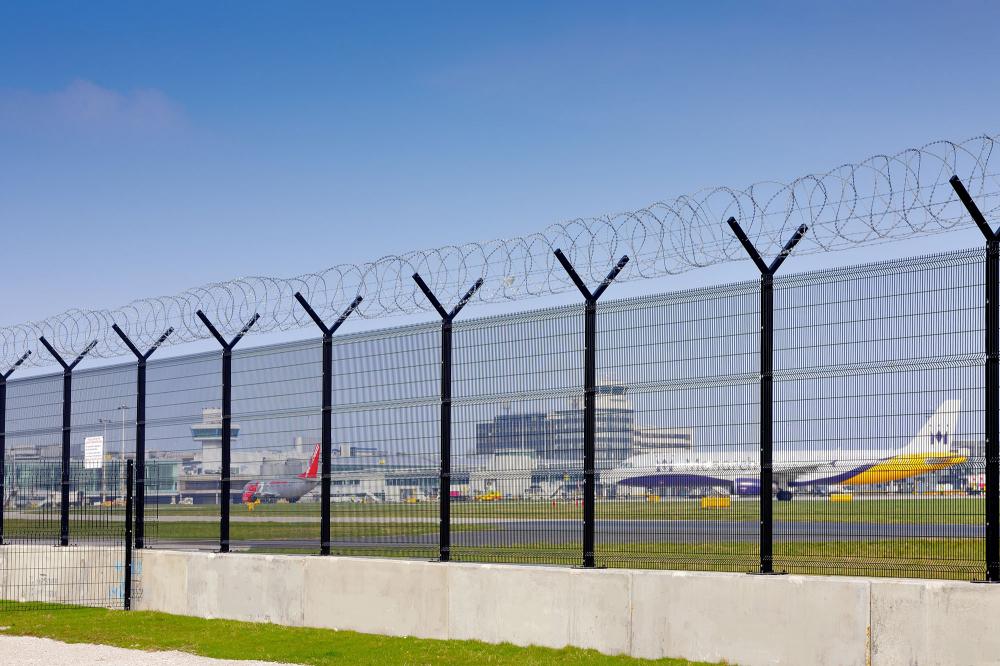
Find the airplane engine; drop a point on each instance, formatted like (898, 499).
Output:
(249, 492)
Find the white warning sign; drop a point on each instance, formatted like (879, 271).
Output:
(93, 452)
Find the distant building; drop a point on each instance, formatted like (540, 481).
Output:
(208, 433)
(530, 454)
(558, 435)
(513, 433)
(651, 440)
(613, 433)
(510, 475)
(350, 451)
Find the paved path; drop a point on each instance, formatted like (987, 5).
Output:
(29, 651)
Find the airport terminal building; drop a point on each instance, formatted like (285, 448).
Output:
(526, 455)
(530, 455)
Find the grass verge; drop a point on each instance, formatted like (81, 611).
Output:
(889, 510)
(955, 559)
(20, 528)
(227, 639)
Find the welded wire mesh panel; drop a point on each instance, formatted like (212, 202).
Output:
(104, 407)
(878, 419)
(276, 404)
(517, 438)
(35, 570)
(386, 457)
(34, 419)
(678, 399)
(89, 570)
(183, 452)
(878, 442)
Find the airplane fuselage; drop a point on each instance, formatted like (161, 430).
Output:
(290, 490)
(742, 474)
(927, 451)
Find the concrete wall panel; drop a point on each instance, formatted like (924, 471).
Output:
(522, 605)
(167, 589)
(750, 619)
(934, 622)
(251, 592)
(392, 597)
(601, 610)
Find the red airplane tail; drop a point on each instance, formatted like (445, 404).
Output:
(313, 469)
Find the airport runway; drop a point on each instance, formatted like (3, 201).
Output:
(564, 532)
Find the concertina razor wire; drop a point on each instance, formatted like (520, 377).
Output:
(880, 199)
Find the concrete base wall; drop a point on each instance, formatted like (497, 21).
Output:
(739, 618)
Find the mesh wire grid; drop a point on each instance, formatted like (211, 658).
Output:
(865, 358)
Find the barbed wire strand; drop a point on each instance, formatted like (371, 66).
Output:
(880, 199)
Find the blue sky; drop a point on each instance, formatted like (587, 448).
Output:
(150, 147)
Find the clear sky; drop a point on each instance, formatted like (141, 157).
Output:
(150, 147)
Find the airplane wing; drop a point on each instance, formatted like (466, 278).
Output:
(787, 472)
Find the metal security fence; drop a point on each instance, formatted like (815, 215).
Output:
(689, 367)
(518, 458)
(42, 563)
(840, 422)
(883, 364)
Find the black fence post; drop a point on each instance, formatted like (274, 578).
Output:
(3, 435)
(589, 398)
(227, 421)
(766, 386)
(67, 427)
(444, 491)
(326, 439)
(129, 499)
(992, 379)
(140, 429)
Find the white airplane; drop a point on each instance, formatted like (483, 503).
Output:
(291, 489)
(927, 451)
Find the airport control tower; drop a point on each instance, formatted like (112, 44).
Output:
(209, 434)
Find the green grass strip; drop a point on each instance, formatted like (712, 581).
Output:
(226, 639)
(886, 510)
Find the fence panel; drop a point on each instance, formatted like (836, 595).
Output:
(34, 422)
(35, 571)
(517, 485)
(276, 404)
(684, 493)
(386, 463)
(183, 455)
(879, 419)
(104, 406)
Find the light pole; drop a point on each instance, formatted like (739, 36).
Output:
(12, 494)
(121, 470)
(104, 437)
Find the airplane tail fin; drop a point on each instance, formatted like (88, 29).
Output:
(934, 436)
(313, 469)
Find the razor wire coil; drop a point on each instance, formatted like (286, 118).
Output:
(880, 199)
